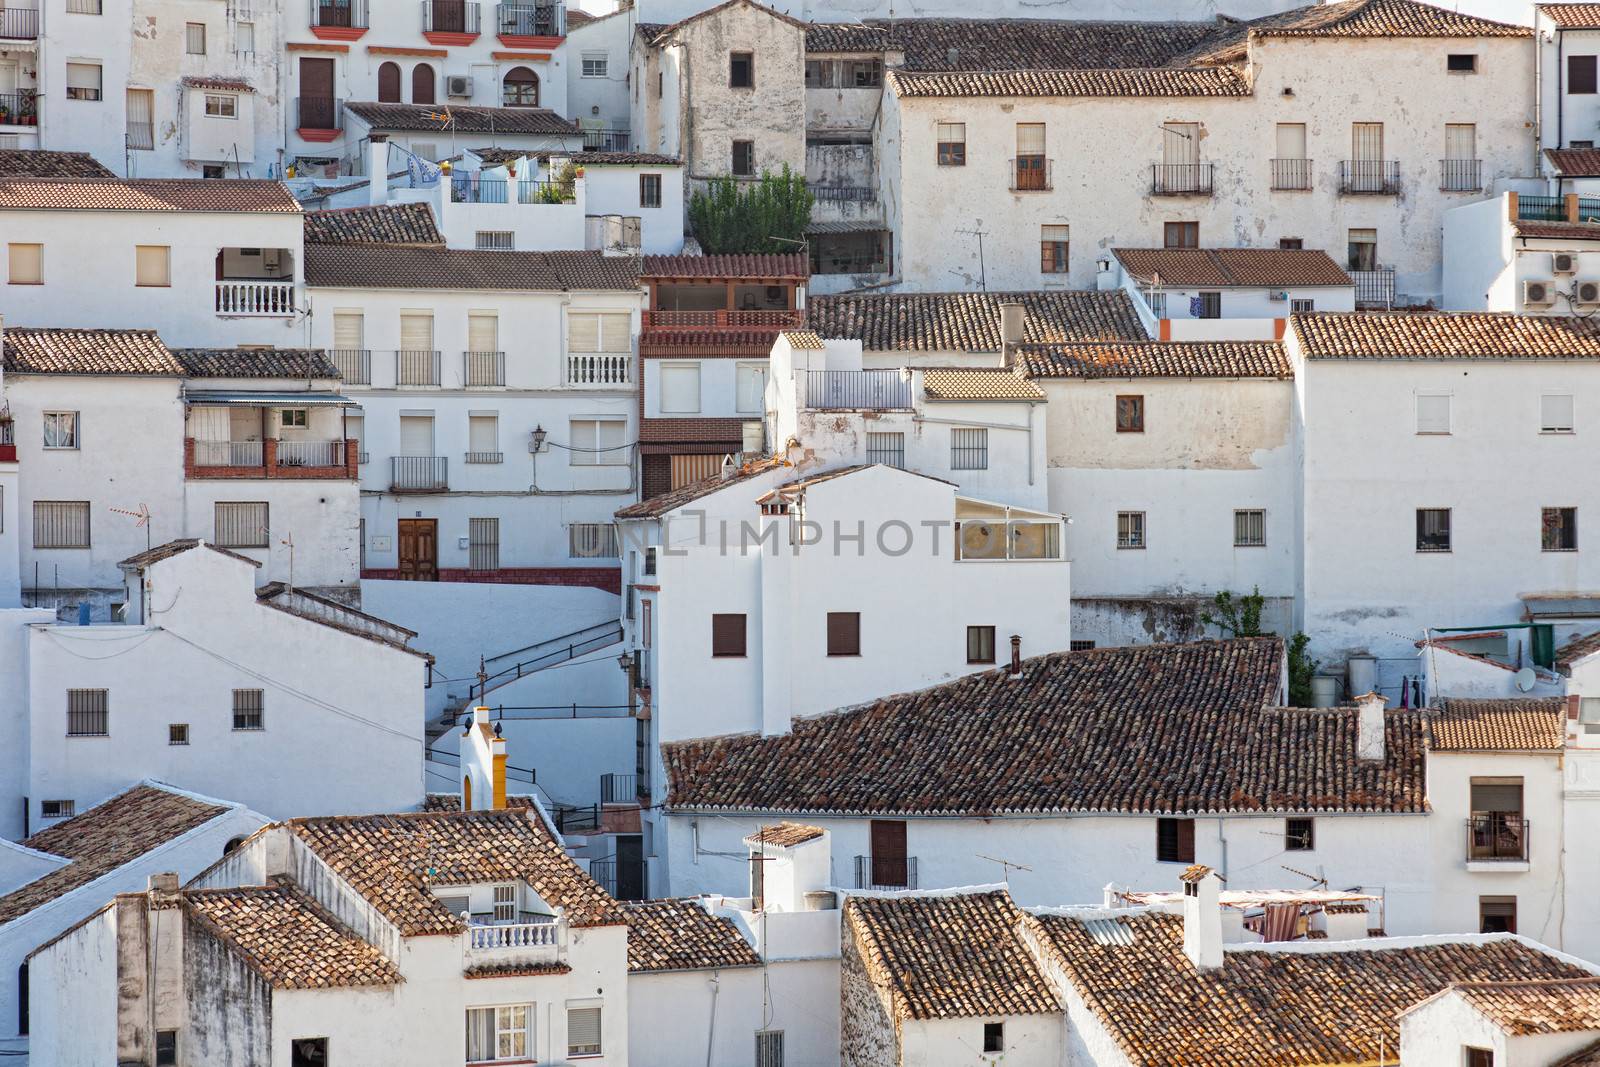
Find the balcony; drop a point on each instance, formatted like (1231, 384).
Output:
(19, 108)
(483, 370)
(485, 457)
(339, 20)
(619, 789)
(857, 390)
(426, 474)
(1291, 175)
(1496, 837)
(19, 24)
(502, 944)
(1031, 174)
(721, 318)
(310, 453)
(229, 454)
(327, 458)
(468, 188)
(532, 20)
(1374, 288)
(416, 367)
(1369, 177)
(454, 18)
(8, 441)
(1460, 175)
(255, 297)
(318, 118)
(1541, 208)
(1181, 179)
(886, 872)
(607, 140)
(599, 368)
(355, 365)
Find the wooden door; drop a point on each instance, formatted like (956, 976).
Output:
(889, 853)
(316, 94)
(419, 550)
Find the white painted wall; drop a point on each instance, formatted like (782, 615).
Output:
(614, 190)
(801, 999)
(610, 36)
(1029, 1039)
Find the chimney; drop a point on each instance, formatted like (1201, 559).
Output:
(483, 764)
(1016, 656)
(165, 882)
(378, 168)
(1202, 917)
(1013, 318)
(1369, 732)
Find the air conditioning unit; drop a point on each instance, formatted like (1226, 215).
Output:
(1538, 294)
(1278, 294)
(1564, 262)
(1586, 294)
(458, 85)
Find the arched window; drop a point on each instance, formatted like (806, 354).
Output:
(422, 84)
(389, 83)
(233, 843)
(520, 89)
(466, 792)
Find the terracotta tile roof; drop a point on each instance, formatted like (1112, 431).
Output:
(452, 802)
(392, 860)
(231, 85)
(104, 838)
(657, 506)
(30, 350)
(288, 938)
(1157, 359)
(386, 224)
(784, 835)
(1059, 740)
(756, 341)
(964, 384)
(943, 44)
(1577, 649)
(950, 956)
(1573, 16)
(1576, 162)
(515, 970)
(1224, 267)
(1549, 1006)
(255, 363)
(1267, 1008)
(970, 322)
(139, 561)
(620, 159)
(1588, 1056)
(1158, 82)
(38, 163)
(658, 31)
(681, 935)
(806, 339)
(1557, 231)
(1498, 725)
(148, 194)
(785, 265)
(1194, 872)
(576, 18)
(1352, 19)
(405, 267)
(1459, 335)
(427, 118)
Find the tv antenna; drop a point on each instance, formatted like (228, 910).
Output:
(1006, 866)
(141, 518)
(980, 233)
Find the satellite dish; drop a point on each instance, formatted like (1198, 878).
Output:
(1525, 679)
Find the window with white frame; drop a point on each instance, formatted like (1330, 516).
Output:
(680, 388)
(596, 64)
(583, 1032)
(505, 903)
(1433, 413)
(1555, 413)
(244, 37)
(295, 417)
(751, 388)
(60, 524)
(61, 429)
(500, 1033)
(1249, 528)
(222, 106)
(495, 240)
(83, 81)
(1130, 529)
(240, 524)
(599, 442)
(1302, 305)
(595, 331)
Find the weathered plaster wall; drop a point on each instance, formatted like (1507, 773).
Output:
(868, 1035)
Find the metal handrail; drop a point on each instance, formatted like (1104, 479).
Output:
(1497, 835)
(450, 16)
(886, 872)
(1369, 176)
(343, 14)
(416, 366)
(571, 651)
(1181, 179)
(1460, 175)
(355, 365)
(531, 20)
(1291, 174)
(419, 472)
(483, 369)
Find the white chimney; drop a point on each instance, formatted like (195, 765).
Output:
(1013, 320)
(1369, 733)
(378, 168)
(1202, 917)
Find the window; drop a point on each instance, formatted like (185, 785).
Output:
(750, 387)
(1555, 413)
(293, 417)
(483, 437)
(215, 170)
(1130, 414)
(503, 1033)
(83, 81)
(1580, 75)
(1476, 1057)
(177, 733)
(844, 633)
(88, 712)
(980, 644)
(994, 1037)
(152, 265)
(744, 158)
(583, 1032)
(26, 264)
(244, 37)
(1497, 915)
(741, 70)
(194, 38)
(969, 450)
(240, 524)
(249, 709)
(1180, 235)
(308, 1052)
(1175, 840)
(596, 64)
(1080, 646)
(599, 442)
(61, 429)
(1362, 250)
(520, 88)
(1433, 529)
(495, 240)
(60, 524)
(952, 144)
(649, 190)
(166, 1048)
(1130, 529)
(389, 83)
(1302, 306)
(505, 903)
(608, 332)
(1205, 306)
(680, 387)
(886, 448)
(1032, 170)
(1461, 63)
(57, 809)
(222, 106)
(1291, 243)
(1053, 241)
(1460, 140)
(769, 1048)
(592, 540)
(1558, 529)
(1299, 835)
(1433, 412)
(727, 635)
(1249, 528)
(483, 544)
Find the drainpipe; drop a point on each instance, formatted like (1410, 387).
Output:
(1561, 88)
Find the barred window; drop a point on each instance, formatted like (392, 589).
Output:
(57, 809)
(969, 450)
(1130, 529)
(496, 240)
(592, 540)
(88, 712)
(177, 733)
(241, 524)
(649, 190)
(60, 524)
(483, 544)
(249, 709)
(769, 1048)
(1249, 528)
(887, 448)
(1558, 529)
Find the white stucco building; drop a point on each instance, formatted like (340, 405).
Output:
(1532, 254)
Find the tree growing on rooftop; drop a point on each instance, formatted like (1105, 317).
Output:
(767, 215)
(1241, 617)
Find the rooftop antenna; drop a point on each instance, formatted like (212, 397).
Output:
(141, 518)
(980, 233)
(287, 540)
(1006, 866)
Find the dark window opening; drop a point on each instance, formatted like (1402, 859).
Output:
(1497, 915)
(1580, 74)
(727, 635)
(166, 1048)
(1558, 529)
(1299, 835)
(1291, 242)
(844, 633)
(1180, 234)
(1433, 529)
(1208, 306)
(1477, 1057)
(308, 1052)
(741, 70)
(1130, 414)
(1461, 63)
(994, 1037)
(980, 644)
(744, 159)
(1175, 840)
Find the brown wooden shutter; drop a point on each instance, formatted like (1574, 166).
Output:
(1185, 840)
(889, 867)
(844, 633)
(727, 635)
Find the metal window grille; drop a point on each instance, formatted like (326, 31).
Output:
(1080, 646)
(583, 1031)
(1558, 529)
(241, 524)
(887, 448)
(1433, 529)
(483, 544)
(650, 560)
(649, 190)
(769, 1048)
(1301, 307)
(496, 240)
(1130, 529)
(57, 809)
(505, 903)
(249, 709)
(61, 524)
(177, 733)
(592, 540)
(1249, 528)
(1299, 835)
(969, 450)
(88, 712)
